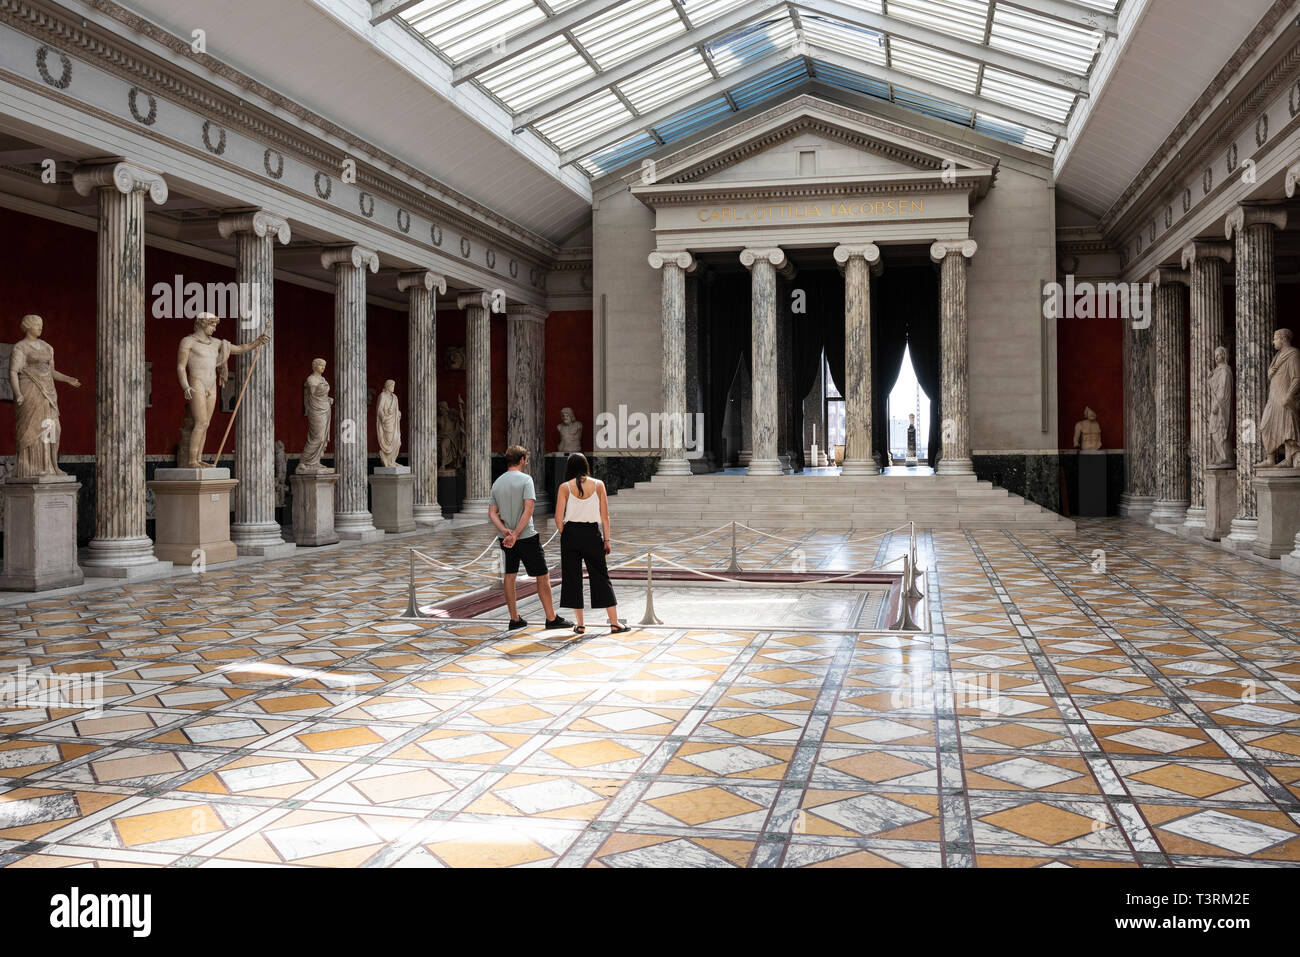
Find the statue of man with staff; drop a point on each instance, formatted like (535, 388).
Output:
(202, 370)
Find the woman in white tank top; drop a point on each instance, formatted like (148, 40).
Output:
(582, 518)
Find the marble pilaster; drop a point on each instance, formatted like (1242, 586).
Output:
(120, 547)
(422, 390)
(763, 265)
(255, 530)
(526, 384)
(1205, 263)
(478, 404)
(955, 373)
(1170, 507)
(352, 518)
(673, 267)
(1253, 229)
(857, 263)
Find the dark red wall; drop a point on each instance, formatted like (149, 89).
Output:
(568, 374)
(1090, 372)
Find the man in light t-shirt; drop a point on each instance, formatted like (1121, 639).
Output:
(513, 497)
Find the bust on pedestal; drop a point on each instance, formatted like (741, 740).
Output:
(40, 499)
(392, 487)
(313, 483)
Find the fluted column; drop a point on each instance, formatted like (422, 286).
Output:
(526, 398)
(255, 530)
(954, 355)
(120, 548)
(673, 266)
(1205, 264)
(764, 264)
(1253, 229)
(1139, 423)
(422, 389)
(478, 414)
(352, 518)
(1171, 398)
(857, 263)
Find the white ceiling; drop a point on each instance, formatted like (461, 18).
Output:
(1170, 55)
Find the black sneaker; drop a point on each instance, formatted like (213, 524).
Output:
(558, 622)
(516, 624)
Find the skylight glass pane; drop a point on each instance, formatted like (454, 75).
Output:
(659, 84)
(1014, 133)
(593, 116)
(532, 76)
(769, 84)
(629, 29)
(932, 64)
(696, 118)
(461, 28)
(840, 37)
(850, 80)
(702, 11)
(931, 106)
(620, 154)
(870, 6)
(1030, 95)
(752, 42)
(1058, 44)
(961, 18)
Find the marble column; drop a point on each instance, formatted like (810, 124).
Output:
(673, 267)
(1205, 263)
(255, 530)
(1170, 507)
(857, 263)
(1253, 228)
(954, 355)
(764, 264)
(352, 518)
(526, 384)
(477, 306)
(1139, 495)
(422, 390)
(120, 548)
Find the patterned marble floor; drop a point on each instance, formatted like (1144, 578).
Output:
(1118, 699)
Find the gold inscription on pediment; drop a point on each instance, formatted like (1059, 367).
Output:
(831, 209)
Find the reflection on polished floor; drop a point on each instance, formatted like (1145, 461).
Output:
(1140, 711)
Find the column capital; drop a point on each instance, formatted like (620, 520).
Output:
(1292, 178)
(1168, 276)
(475, 299)
(524, 312)
(946, 247)
(1199, 250)
(667, 257)
(256, 221)
(771, 254)
(422, 277)
(1271, 214)
(358, 257)
(120, 175)
(868, 251)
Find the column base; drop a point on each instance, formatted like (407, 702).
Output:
(673, 467)
(860, 467)
(1291, 563)
(1135, 507)
(40, 534)
(955, 467)
(1193, 526)
(261, 540)
(473, 511)
(1241, 537)
(1168, 512)
(356, 527)
(313, 508)
(122, 558)
(765, 467)
(427, 515)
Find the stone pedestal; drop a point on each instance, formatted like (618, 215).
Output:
(40, 534)
(1220, 500)
(392, 499)
(1277, 493)
(1291, 563)
(192, 513)
(313, 508)
(451, 490)
(1093, 502)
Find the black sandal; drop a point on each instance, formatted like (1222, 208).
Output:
(579, 629)
(620, 630)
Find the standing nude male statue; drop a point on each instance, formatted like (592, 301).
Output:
(201, 368)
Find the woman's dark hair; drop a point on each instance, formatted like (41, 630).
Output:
(576, 468)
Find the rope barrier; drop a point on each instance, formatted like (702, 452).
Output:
(799, 541)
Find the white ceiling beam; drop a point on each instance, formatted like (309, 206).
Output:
(657, 54)
(883, 23)
(382, 10)
(530, 37)
(1074, 14)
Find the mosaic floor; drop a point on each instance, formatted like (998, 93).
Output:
(1122, 698)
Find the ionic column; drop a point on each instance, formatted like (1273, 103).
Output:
(1139, 495)
(1205, 263)
(352, 518)
(478, 414)
(120, 548)
(857, 263)
(1253, 229)
(763, 265)
(255, 530)
(1171, 398)
(673, 266)
(526, 398)
(422, 389)
(954, 355)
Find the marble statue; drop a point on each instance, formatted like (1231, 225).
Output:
(281, 474)
(451, 436)
(202, 370)
(1087, 432)
(1279, 427)
(388, 421)
(32, 376)
(570, 430)
(455, 357)
(316, 406)
(1222, 389)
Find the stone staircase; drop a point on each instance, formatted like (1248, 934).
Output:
(786, 501)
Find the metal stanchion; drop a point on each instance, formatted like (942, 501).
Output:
(735, 565)
(412, 609)
(905, 620)
(912, 576)
(649, 617)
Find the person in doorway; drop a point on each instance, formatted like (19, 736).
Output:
(511, 511)
(582, 517)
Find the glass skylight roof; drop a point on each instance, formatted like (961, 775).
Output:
(607, 82)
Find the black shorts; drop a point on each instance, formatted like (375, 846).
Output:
(529, 551)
